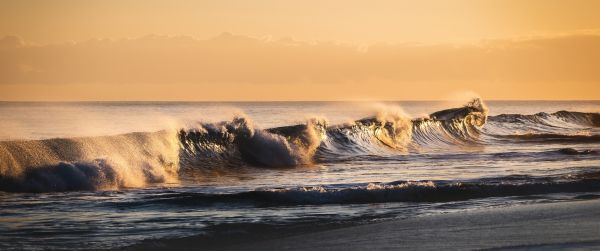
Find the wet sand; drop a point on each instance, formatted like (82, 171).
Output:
(550, 226)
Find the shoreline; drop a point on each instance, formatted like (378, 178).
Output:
(556, 225)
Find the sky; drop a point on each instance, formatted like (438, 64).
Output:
(71, 50)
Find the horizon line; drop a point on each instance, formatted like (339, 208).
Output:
(274, 101)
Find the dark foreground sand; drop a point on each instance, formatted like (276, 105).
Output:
(564, 225)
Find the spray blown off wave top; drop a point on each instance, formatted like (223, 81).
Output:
(138, 159)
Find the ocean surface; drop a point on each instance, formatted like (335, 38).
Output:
(104, 175)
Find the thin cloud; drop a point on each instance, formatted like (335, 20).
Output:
(537, 64)
(233, 58)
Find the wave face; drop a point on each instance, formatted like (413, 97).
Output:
(560, 119)
(238, 141)
(558, 127)
(230, 143)
(140, 159)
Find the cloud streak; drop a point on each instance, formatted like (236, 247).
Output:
(532, 63)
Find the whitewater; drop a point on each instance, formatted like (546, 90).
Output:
(111, 174)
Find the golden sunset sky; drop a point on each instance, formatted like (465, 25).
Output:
(71, 50)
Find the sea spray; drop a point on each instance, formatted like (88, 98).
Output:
(239, 139)
(167, 157)
(108, 162)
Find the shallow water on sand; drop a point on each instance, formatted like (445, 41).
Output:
(184, 172)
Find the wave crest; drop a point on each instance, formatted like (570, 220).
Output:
(238, 140)
(139, 159)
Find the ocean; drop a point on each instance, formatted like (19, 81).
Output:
(107, 175)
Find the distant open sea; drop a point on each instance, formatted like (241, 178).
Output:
(105, 175)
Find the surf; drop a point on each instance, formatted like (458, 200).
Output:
(165, 157)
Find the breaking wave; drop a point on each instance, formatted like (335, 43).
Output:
(239, 141)
(139, 159)
(109, 162)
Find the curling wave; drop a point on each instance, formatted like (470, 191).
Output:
(560, 119)
(231, 143)
(139, 159)
(558, 127)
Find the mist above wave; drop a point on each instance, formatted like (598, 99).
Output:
(139, 159)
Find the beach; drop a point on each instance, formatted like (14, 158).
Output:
(548, 226)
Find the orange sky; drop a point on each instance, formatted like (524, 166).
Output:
(300, 50)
